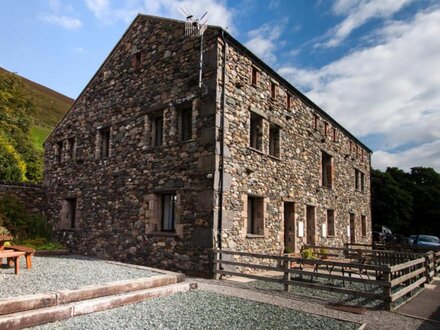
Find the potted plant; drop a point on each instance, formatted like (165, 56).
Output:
(5, 235)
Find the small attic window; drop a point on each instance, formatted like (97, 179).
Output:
(136, 61)
(254, 76)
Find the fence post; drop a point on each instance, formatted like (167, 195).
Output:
(216, 267)
(286, 278)
(427, 268)
(387, 290)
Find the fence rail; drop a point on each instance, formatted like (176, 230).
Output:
(388, 283)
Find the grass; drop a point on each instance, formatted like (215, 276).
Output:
(38, 136)
(40, 244)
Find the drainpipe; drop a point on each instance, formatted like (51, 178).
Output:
(222, 145)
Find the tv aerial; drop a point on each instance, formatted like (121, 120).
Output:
(195, 27)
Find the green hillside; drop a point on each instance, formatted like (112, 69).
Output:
(28, 114)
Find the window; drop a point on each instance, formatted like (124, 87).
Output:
(362, 182)
(327, 170)
(71, 148)
(359, 180)
(185, 124)
(364, 225)
(71, 212)
(315, 121)
(357, 151)
(325, 128)
(273, 90)
(255, 212)
(334, 134)
(288, 101)
(168, 216)
(330, 223)
(104, 145)
(256, 132)
(157, 131)
(136, 61)
(59, 151)
(254, 75)
(274, 141)
(362, 155)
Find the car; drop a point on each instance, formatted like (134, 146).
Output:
(426, 241)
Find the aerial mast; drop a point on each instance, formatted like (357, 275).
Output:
(195, 27)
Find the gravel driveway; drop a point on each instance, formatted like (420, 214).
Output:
(67, 272)
(200, 310)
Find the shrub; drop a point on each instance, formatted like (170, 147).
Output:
(288, 249)
(308, 254)
(21, 224)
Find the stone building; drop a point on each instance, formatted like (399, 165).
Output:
(149, 168)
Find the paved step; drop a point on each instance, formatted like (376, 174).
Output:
(64, 311)
(29, 302)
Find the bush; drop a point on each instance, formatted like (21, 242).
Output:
(308, 254)
(20, 223)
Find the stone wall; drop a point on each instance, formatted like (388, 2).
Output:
(294, 175)
(151, 72)
(31, 195)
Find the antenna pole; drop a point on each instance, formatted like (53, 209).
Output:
(201, 61)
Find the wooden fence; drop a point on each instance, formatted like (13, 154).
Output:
(388, 283)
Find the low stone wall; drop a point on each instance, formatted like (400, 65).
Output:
(32, 195)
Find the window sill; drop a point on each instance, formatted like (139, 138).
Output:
(163, 233)
(69, 229)
(257, 151)
(254, 236)
(275, 157)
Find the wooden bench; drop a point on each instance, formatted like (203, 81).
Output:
(12, 256)
(29, 252)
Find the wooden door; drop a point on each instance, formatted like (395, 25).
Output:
(310, 217)
(289, 226)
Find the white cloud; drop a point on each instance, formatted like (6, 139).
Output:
(357, 13)
(426, 155)
(66, 22)
(218, 13)
(390, 89)
(264, 41)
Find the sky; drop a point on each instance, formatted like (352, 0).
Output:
(373, 65)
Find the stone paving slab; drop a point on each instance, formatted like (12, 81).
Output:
(426, 305)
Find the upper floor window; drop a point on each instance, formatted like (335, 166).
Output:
(359, 180)
(334, 137)
(71, 148)
(104, 142)
(288, 101)
(59, 151)
(256, 132)
(136, 61)
(185, 124)
(273, 90)
(254, 75)
(325, 128)
(326, 170)
(157, 130)
(274, 141)
(315, 121)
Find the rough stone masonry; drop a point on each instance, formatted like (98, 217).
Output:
(147, 167)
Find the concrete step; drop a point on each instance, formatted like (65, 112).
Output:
(60, 297)
(34, 317)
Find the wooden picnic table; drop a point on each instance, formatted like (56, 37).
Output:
(14, 256)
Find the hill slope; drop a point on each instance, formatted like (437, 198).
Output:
(28, 114)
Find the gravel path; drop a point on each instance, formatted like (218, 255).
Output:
(375, 319)
(200, 310)
(54, 273)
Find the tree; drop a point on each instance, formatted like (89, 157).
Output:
(390, 204)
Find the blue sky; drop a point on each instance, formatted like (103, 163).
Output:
(374, 65)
